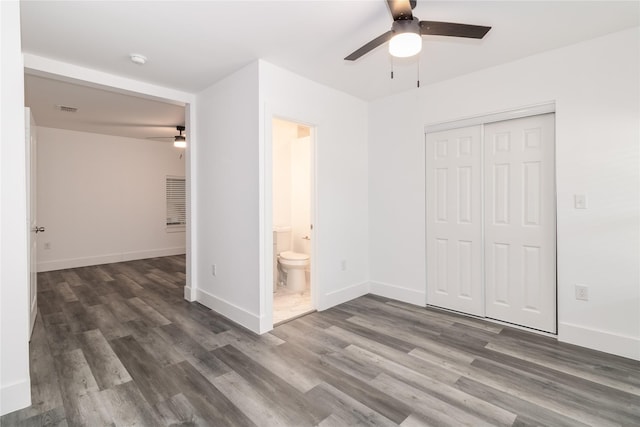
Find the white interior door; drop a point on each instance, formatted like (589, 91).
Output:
(31, 156)
(520, 226)
(454, 220)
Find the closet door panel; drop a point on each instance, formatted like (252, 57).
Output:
(520, 250)
(454, 220)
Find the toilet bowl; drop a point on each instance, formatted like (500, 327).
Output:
(294, 264)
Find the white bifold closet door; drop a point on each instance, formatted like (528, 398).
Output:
(454, 220)
(491, 228)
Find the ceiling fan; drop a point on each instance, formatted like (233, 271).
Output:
(405, 36)
(179, 141)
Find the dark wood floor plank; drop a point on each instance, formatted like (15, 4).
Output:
(119, 308)
(208, 401)
(424, 367)
(108, 324)
(270, 386)
(127, 406)
(149, 376)
(65, 292)
(266, 352)
(177, 411)
(259, 409)
(103, 362)
(358, 389)
(71, 277)
(147, 314)
(576, 398)
(60, 336)
(117, 344)
(345, 410)
(528, 413)
(78, 317)
(162, 351)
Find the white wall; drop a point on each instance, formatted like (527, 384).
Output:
(341, 188)
(596, 88)
(102, 198)
(15, 389)
(227, 193)
(234, 184)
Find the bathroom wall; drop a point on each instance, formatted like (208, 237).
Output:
(292, 183)
(300, 193)
(283, 134)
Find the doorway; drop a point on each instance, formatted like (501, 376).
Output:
(491, 242)
(111, 179)
(291, 219)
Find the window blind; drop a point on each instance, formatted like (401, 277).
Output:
(176, 201)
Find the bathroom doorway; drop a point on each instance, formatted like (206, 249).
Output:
(292, 224)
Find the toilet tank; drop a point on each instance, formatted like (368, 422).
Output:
(282, 239)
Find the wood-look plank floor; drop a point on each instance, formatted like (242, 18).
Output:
(118, 345)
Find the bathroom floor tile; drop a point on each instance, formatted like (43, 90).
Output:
(287, 305)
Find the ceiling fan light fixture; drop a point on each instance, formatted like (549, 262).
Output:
(180, 141)
(406, 40)
(405, 45)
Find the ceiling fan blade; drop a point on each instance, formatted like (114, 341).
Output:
(451, 29)
(401, 9)
(370, 46)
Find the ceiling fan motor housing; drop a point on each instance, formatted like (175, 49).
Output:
(406, 26)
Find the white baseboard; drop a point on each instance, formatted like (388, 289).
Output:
(607, 342)
(398, 293)
(233, 312)
(348, 293)
(189, 294)
(107, 259)
(15, 396)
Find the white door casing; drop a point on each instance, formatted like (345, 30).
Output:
(454, 220)
(32, 223)
(520, 226)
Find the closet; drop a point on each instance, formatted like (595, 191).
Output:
(490, 220)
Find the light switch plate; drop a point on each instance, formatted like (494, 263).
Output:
(580, 201)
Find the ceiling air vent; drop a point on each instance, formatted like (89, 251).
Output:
(66, 109)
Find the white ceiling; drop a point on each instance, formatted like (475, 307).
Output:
(191, 45)
(100, 111)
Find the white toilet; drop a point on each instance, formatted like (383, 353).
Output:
(291, 266)
(294, 264)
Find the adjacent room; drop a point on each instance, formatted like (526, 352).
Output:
(320, 213)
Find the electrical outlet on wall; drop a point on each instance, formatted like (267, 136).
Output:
(213, 269)
(343, 265)
(47, 245)
(582, 293)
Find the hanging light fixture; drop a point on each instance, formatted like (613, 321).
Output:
(407, 40)
(180, 141)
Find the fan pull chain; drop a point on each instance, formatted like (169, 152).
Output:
(392, 68)
(418, 75)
